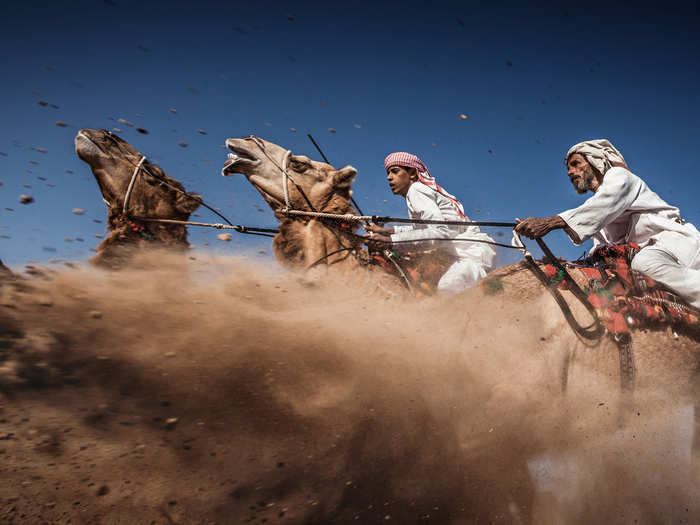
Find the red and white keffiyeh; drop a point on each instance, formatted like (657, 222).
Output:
(407, 160)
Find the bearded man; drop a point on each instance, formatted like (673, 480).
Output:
(623, 209)
(409, 177)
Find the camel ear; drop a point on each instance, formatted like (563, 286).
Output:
(344, 177)
(187, 204)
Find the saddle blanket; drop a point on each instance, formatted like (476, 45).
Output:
(422, 269)
(623, 298)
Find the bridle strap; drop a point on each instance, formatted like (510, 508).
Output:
(131, 185)
(285, 177)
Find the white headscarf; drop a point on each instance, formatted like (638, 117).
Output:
(599, 153)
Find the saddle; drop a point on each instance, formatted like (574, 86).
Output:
(623, 298)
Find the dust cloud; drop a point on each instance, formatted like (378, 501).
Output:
(222, 391)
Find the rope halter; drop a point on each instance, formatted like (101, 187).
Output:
(131, 185)
(285, 180)
(283, 168)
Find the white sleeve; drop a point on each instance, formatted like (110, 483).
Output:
(620, 188)
(427, 209)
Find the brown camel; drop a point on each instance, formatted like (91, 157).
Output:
(661, 358)
(154, 195)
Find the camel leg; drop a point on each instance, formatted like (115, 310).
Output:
(566, 363)
(695, 444)
(314, 250)
(695, 447)
(627, 366)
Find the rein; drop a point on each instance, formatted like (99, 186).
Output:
(350, 217)
(592, 332)
(341, 230)
(339, 250)
(265, 232)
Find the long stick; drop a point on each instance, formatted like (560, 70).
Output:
(349, 217)
(328, 162)
(318, 148)
(446, 223)
(240, 229)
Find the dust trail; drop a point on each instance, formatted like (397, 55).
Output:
(314, 403)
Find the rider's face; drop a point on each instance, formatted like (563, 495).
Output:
(581, 174)
(400, 179)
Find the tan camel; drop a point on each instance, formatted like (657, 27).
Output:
(154, 195)
(300, 243)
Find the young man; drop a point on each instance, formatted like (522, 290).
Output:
(410, 178)
(623, 209)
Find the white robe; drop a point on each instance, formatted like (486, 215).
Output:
(623, 210)
(474, 259)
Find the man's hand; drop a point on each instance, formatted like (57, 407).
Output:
(534, 228)
(375, 241)
(373, 228)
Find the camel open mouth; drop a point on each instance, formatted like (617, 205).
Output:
(238, 160)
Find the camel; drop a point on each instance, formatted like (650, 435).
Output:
(661, 359)
(300, 243)
(154, 195)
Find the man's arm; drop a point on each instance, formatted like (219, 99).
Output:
(616, 194)
(423, 202)
(619, 190)
(374, 228)
(534, 227)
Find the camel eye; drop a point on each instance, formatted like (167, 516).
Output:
(299, 166)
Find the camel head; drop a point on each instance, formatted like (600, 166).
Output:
(310, 184)
(154, 194)
(113, 161)
(261, 162)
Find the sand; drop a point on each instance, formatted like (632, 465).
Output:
(220, 391)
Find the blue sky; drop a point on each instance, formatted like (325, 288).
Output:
(532, 81)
